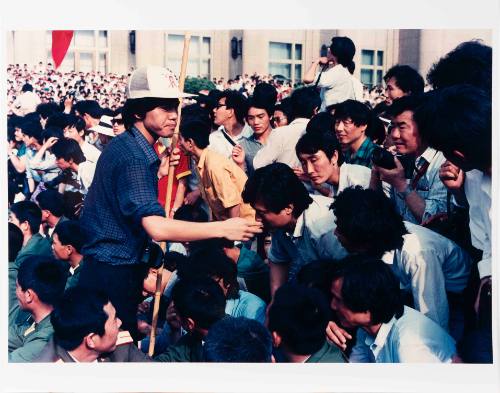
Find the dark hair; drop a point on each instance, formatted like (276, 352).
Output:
(32, 129)
(238, 340)
(344, 50)
(75, 121)
(26, 87)
(285, 106)
(16, 239)
(52, 132)
(469, 63)
(80, 313)
(52, 201)
(197, 130)
(276, 186)
(405, 103)
(193, 213)
(45, 110)
(28, 211)
(458, 118)
(304, 101)
(327, 142)
(71, 233)
(406, 78)
(60, 120)
(90, 107)
(237, 101)
(45, 275)
(369, 218)
(317, 274)
(264, 97)
(200, 299)
(138, 107)
(209, 261)
(68, 149)
(299, 315)
(361, 114)
(260, 104)
(322, 122)
(369, 284)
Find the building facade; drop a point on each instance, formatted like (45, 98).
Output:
(227, 53)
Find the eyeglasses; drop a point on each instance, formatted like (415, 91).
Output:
(220, 106)
(117, 121)
(278, 119)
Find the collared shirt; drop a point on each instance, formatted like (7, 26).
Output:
(124, 190)
(429, 187)
(429, 265)
(351, 175)
(246, 305)
(221, 184)
(336, 85)
(313, 238)
(43, 169)
(250, 146)
(280, 146)
(412, 338)
(219, 143)
(85, 175)
(363, 156)
(477, 188)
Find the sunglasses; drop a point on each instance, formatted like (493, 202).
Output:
(117, 121)
(220, 106)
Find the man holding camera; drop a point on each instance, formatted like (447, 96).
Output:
(417, 190)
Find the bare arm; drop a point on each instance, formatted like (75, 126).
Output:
(179, 195)
(311, 72)
(19, 163)
(234, 211)
(162, 229)
(278, 274)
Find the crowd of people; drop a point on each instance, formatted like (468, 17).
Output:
(303, 224)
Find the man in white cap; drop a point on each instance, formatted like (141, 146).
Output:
(103, 132)
(121, 212)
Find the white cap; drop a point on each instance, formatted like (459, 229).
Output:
(104, 127)
(154, 82)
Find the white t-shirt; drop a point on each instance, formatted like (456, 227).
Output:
(336, 85)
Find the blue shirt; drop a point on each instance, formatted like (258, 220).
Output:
(124, 190)
(247, 305)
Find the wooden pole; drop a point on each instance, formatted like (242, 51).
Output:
(170, 183)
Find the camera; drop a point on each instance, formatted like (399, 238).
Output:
(385, 159)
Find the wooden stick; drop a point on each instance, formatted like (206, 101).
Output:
(170, 183)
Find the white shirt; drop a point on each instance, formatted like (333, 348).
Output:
(86, 172)
(477, 188)
(26, 103)
(336, 86)
(312, 239)
(351, 175)
(412, 338)
(429, 187)
(90, 152)
(217, 141)
(358, 88)
(428, 265)
(280, 146)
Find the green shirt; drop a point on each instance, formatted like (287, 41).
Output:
(27, 340)
(328, 353)
(73, 278)
(189, 348)
(363, 156)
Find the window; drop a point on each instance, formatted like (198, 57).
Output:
(200, 52)
(286, 59)
(88, 51)
(372, 67)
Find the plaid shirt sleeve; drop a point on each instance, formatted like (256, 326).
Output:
(136, 197)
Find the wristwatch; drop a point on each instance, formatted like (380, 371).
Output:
(403, 194)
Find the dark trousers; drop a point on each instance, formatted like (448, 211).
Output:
(122, 284)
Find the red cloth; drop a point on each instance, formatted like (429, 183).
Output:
(60, 44)
(181, 170)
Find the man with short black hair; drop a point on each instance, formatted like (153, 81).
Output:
(402, 80)
(418, 193)
(298, 318)
(430, 266)
(229, 115)
(86, 330)
(365, 294)
(238, 340)
(39, 288)
(52, 205)
(302, 225)
(75, 129)
(26, 102)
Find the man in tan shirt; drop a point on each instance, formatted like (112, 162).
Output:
(221, 180)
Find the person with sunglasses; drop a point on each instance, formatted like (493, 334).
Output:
(117, 122)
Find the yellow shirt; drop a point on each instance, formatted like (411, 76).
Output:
(221, 184)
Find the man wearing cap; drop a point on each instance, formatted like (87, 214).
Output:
(103, 132)
(121, 211)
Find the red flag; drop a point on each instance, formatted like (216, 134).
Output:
(60, 44)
